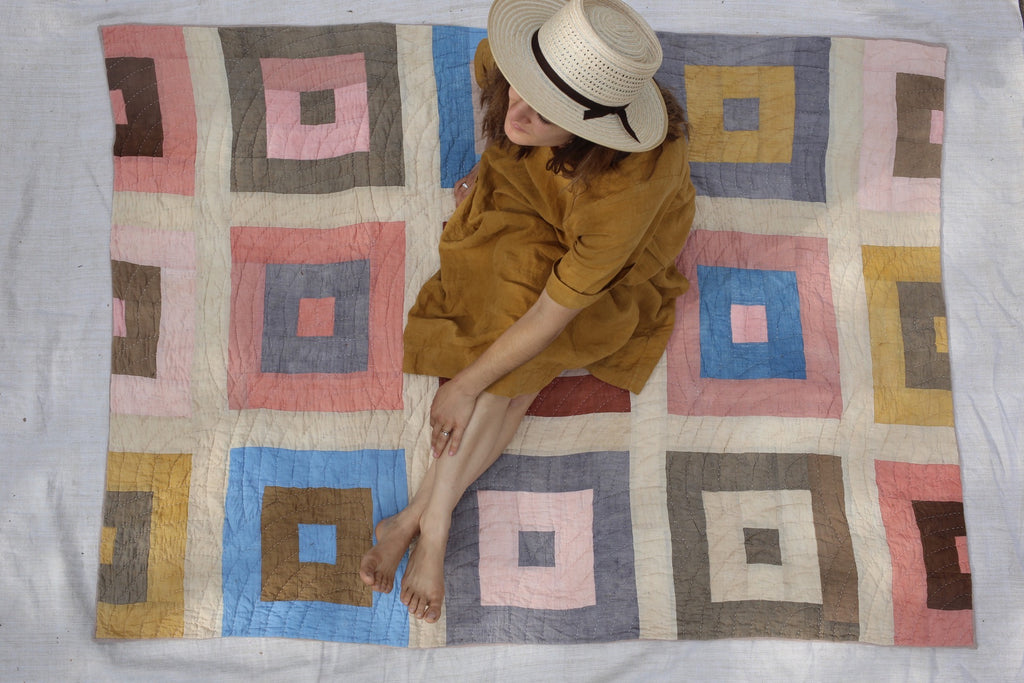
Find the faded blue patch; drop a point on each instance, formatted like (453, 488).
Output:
(347, 349)
(318, 543)
(251, 470)
(782, 356)
(536, 548)
(454, 47)
(741, 113)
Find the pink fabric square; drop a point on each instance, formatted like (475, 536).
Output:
(820, 394)
(117, 104)
(899, 485)
(878, 189)
(287, 136)
(170, 393)
(749, 324)
(961, 554)
(316, 317)
(120, 325)
(938, 126)
(567, 585)
(377, 388)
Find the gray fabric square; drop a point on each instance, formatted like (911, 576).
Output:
(920, 304)
(536, 548)
(741, 113)
(125, 581)
(347, 350)
(316, 108)
(762, 546)
(616, 616)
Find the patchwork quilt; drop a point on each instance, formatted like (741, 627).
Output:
(790, 470)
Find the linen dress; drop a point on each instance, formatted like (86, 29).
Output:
(608, 248)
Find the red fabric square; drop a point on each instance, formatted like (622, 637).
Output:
(316, 317)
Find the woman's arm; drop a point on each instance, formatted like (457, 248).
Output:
(526, 338)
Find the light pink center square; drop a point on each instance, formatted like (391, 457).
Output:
(120, 324)
(961, 553)
(283, 82)
(749, 324)
(117, 104)
(316, 317)
(567, 585)
(938, 126)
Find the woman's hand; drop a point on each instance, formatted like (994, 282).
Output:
(449, 415)
(465, 184)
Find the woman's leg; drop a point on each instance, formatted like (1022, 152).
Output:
(394, 535)
(491, 428)
(493, 424)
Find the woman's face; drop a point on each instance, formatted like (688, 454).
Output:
(524, 126)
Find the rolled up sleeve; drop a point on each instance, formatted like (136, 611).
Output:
(609, 236)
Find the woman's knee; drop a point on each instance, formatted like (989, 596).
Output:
(522, 403)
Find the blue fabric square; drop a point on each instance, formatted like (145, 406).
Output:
(254, 468)
(782, 356)
(348, 349)
(454, 47)
(536, 548)
(318, 543)
(741, 113)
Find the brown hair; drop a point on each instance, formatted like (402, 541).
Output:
(580, 160)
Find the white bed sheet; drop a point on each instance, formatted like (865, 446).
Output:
(55, 202)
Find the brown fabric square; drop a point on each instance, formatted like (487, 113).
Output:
(125, 580)
(762, 546)
(316, 108)
(920, 304)
(941, 522)
(284, 576)
(689, 475)
(917, 97)
(143, 134)
(139, 287)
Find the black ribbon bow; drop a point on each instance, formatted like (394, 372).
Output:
(595, 110)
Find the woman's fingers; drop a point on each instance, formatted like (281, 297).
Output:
(464, 185)
(450, 412)
(454, 440)
(439, 439)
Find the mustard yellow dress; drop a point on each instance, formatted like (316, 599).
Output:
(608, 249)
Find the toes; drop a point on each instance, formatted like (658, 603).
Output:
(368, 574)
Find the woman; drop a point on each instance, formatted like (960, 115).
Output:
(560, 254)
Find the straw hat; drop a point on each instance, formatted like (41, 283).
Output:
(584, 65)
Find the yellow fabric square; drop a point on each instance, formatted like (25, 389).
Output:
(894, 402)
(941, 335)
(706, 89)
(163, 613)
(107, 538)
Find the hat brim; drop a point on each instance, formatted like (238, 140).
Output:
(510, 27)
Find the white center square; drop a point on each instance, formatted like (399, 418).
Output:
(797, 579)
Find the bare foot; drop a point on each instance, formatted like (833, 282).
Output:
(423, 582)
(378, 566)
